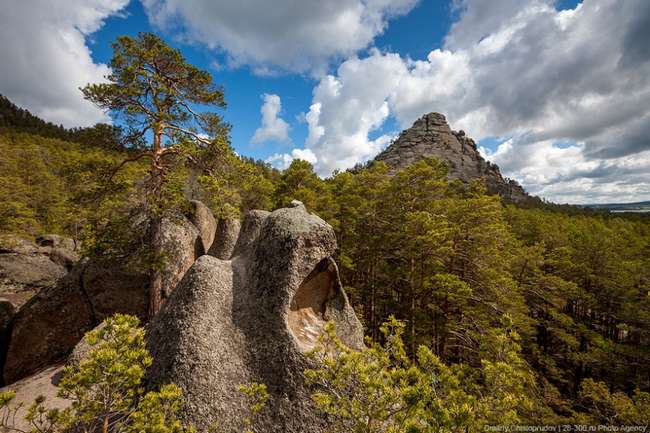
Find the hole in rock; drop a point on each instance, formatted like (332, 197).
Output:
(308, 310)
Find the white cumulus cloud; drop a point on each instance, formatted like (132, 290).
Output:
(273, 127)
(45, 58)
(283, 160)
(290, 35)
(348, 107)
(572, 88)
(566, 174)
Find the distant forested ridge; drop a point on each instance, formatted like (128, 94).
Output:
(19, 119)
(453, 262)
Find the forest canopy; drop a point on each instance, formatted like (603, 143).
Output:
(457, 266)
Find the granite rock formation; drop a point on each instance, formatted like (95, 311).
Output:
(203, 219)
(51, 323)
(431, 136)
(251, 319)
(45, 328)
(225, 238)
(28, 266)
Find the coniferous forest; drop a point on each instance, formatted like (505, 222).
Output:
(458, 266)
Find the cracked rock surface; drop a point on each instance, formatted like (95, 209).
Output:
(28, 266)
(49, 325)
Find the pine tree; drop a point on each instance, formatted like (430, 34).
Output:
(156, 92)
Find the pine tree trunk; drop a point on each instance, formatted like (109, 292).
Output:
(412, 307)
(155, 227)
(155, 275)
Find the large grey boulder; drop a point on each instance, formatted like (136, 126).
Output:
(249, 232)
(182, 245)
(203, 219)
(252, 319)
(82, 350)
(57, 241)
(22, 272)
(50, 324)
(225, 238)
(28, 266)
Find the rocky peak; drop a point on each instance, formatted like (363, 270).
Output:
(431, 136)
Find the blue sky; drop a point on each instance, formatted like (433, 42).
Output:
(557, 93)
(413, 35)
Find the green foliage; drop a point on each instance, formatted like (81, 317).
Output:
(299, 182)
(448, 259)
(258, 397)
(380, 389)
(52, 186)
(153, 88)
(38, 416)
(157, 412)
(14, 119)
(228, 184)
(106, 383)
(105, 389)
(155, 91)
(615, 408)
(585, 279)
(451, 261)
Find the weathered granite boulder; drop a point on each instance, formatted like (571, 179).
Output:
(225, 238)
(21, 272)
(49, 325)
(64, 257)
(57, 241)
(203, 219)
(250, 231)
(111, 287)
(431, 136)
(82, 348)
(17, 245)
(182, 244)
(251, 319)
(46, 328)
(26, 266)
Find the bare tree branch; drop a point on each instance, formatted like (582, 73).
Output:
(127, 160)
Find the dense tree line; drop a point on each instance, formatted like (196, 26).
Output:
(21, 120)
(446, 258)
(452, 262)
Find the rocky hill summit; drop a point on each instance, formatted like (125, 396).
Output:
(431, 136)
